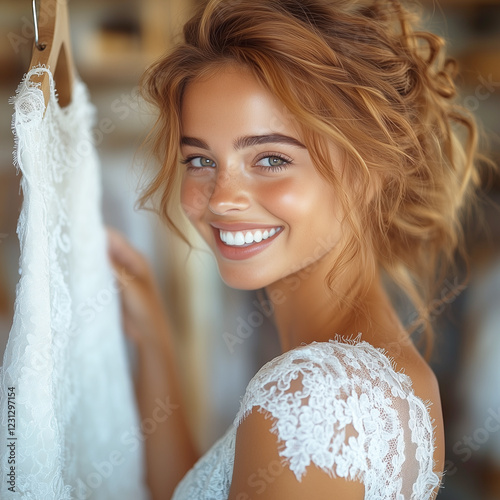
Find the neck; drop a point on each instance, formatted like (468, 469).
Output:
(307, 310)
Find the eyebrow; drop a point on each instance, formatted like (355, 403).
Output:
(247, 141)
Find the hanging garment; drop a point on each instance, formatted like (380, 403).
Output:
(69, 427)
(339, 406)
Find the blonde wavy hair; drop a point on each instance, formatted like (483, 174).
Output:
(358, 73)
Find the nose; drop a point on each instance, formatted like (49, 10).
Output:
(229, 193)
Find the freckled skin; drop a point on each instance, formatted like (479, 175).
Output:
(219, 110)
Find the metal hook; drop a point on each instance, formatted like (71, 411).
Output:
(38, 45)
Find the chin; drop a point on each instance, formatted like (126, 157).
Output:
(243, 281)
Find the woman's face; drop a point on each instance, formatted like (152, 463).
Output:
(249, 185)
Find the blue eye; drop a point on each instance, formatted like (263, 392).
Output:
(198, 162)
(273, 162)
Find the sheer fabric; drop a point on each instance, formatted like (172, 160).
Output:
(72, 429)
(342, 407)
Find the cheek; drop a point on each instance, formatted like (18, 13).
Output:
(194, 197)
(309, 206)
(295, 201)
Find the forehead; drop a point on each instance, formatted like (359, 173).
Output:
(231, 99)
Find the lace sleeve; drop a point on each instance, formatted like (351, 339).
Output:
(345, 409)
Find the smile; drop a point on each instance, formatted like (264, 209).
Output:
(241, 238)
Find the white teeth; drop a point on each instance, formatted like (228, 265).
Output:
(240, 238)
(229, 238)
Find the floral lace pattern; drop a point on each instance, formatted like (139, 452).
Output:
(338, 405)
(75, 411)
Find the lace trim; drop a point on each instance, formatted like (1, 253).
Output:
(343, 406)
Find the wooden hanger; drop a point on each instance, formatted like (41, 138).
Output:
(52, 49)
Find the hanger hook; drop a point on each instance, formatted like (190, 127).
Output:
(38, 45)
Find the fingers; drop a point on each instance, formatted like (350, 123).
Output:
(124, 255)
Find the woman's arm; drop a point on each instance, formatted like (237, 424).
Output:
(169, 447)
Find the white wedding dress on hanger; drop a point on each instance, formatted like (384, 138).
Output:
(69, 426)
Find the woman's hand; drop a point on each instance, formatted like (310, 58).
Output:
(144, 318)
(170, 452)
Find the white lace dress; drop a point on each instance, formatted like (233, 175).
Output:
(69, 428)
(338, 405)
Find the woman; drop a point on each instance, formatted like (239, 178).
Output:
(318, 149)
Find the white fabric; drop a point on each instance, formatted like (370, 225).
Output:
(76, 424)
(341, 406)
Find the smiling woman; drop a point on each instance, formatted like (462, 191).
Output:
(316, 144)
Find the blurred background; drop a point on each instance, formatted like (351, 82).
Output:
(224, 336)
